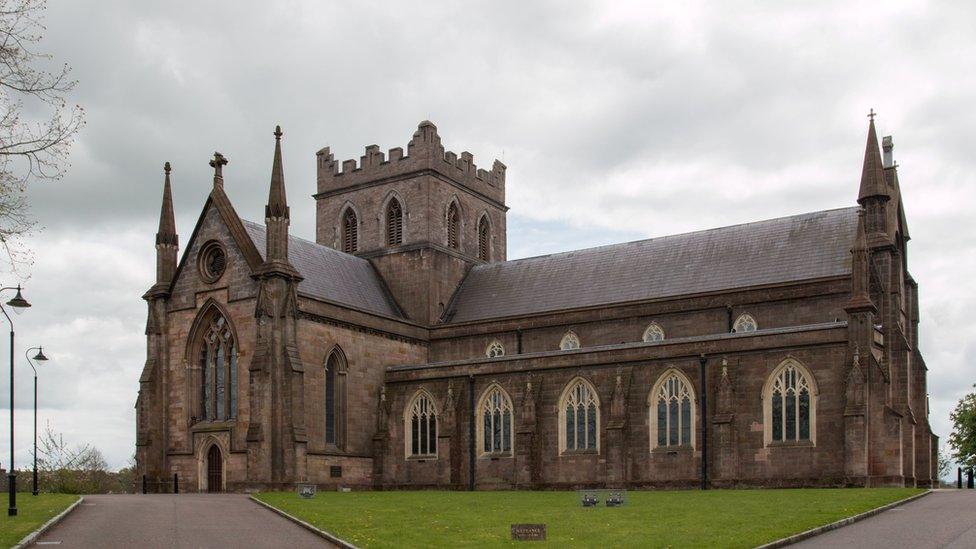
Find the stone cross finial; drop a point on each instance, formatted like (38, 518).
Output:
(166, 168)
(278, 133)
(218, 162)
(872, 114)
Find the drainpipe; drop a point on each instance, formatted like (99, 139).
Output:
(518, 336)
(471, 457)
(728, 315)
(703, 390)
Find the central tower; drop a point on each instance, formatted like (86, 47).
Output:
(423, 219)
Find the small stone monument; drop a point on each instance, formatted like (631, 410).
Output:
(306, 491)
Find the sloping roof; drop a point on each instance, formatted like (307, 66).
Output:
(332, 275)
(801, 247)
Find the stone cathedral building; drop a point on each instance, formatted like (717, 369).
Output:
(401, 349)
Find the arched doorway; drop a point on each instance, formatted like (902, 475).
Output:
(215, 470)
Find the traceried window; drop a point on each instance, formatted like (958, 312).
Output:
(421, 426)
(789, 404)
(394, 223)
(745, 323)
(453, 227)
(569, 342)
(495, 349)
(496, 425)
(672, 411)
(218, 360)
(654, 332)
(350, 232)
(484, 239)
(579, 418)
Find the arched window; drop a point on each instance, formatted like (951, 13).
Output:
(745, 323)
(654, 332)
(394, 223)
(350, 232)
(569, 342)
(579, 418)
(335, 398)
(218, 361)
(420, 422)
(790, 404)
(495, 349)
(496, 426)
(484, 239)
(671, 406)
(453, 226)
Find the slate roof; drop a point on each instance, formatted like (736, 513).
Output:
(788, 249)
(332, 275)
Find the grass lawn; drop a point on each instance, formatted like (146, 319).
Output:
(716, 518)
(32, 512)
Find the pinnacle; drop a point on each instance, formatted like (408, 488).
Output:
(872, 174)
(167, 221)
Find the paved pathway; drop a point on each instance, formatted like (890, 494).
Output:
(946, 518)
(176, 521)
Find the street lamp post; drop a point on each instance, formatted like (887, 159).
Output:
(18, 303)
(40, 358)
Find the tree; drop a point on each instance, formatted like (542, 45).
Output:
(34, 141)
(944, 469)
(70, 470)
(963, 437)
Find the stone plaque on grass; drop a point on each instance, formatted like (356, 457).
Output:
(529, 532)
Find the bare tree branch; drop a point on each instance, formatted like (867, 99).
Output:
(30, 150)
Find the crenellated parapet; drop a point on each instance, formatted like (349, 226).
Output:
(424, 153)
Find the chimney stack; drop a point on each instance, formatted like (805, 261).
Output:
(887, 145)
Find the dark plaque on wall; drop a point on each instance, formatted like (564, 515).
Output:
(335, 471)
(529, 532)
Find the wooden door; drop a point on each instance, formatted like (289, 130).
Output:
(215, 470)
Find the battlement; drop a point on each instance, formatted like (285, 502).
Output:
(424, 152)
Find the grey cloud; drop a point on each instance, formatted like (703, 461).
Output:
(617, 122)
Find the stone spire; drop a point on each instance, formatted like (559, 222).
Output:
(277, 203)
(167, 241)
(276, 214)
(167, 221)
(872, 174)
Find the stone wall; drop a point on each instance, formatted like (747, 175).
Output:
(737, 453)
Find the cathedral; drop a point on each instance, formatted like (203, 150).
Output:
(401, 349)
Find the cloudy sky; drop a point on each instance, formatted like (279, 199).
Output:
(617, 122)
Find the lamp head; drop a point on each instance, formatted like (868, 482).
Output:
(18, 303)
(40, 357)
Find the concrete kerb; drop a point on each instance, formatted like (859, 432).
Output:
(32, 537)
(321, 533)
(796, 538)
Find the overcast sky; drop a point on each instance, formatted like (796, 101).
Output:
(617, 121)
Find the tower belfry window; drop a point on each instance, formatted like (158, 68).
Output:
(394, 223)
(484, 240)
(350, 232)
(453, 227)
